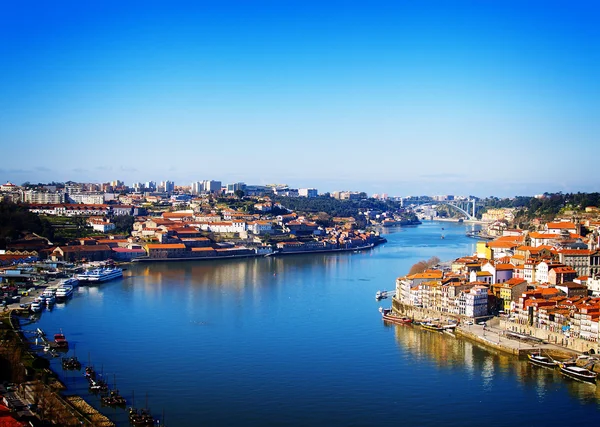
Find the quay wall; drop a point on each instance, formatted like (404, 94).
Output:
(576, 344)
(419, 314)
(462, 332)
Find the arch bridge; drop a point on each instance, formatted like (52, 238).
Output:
(466, 207)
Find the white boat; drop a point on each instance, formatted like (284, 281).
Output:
(63, 292)
(49, 292)
(50, 300)
(36, 306)
(71, 281)
(100, 274)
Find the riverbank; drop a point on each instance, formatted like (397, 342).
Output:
(488, 331)
(38, 395)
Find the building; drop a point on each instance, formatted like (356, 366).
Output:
(308, 192)
(167, 250)
(510, 291)
(584, 261)
(476, 301)
(86, 198)
(81, 253)
(211, 186)
(43, 197)
(100, 224)
(232, 188)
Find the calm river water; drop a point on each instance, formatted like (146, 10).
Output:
(298, 341)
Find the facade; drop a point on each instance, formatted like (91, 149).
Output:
(87, 198)
(308, 192)
(585, 262)
(476, 302)
(43, 197)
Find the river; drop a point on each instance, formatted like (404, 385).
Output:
(297, 341)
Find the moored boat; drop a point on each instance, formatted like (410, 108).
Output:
(36, 306)
(543, 361)
(578, 373)
(61, 341)
(388, 316)
(432, 326)
(63, 292)
(101, 274)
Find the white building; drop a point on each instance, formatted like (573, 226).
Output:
(260, 227)
(225, 227)
(87, 198)
(43, 197)
(308, 192)
(211, 186)
(101, 225)
(476, 302)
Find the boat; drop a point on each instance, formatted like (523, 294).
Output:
(380, 295)
(71, 364)
(61, 341)
(578, 373)
(100, 274)
(388, 316)
(114, 399)
(543, 361)
(71, 281)
(432, 326)
(50, 300)
(36, 306)
(63, 292)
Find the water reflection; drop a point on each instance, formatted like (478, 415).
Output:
(450, 353)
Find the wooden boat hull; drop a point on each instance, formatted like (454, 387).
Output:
(544, 362)
(582, 374)
(396, 319)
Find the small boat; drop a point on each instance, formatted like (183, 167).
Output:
(50, 301)
(388, 316)
(36, 306)
(114, 399)
(71, 364)
(380, 295)
(578, 373)
(60, 341)
(432, 326)
(543, 361)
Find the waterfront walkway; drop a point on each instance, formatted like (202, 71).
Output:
(492, 335)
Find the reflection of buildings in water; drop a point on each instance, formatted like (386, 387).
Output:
(444, 350)
(487, 372)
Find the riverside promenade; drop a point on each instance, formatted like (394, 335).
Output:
(494, 336)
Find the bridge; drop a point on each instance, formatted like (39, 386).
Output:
(467, 207)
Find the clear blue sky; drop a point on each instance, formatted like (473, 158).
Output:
(404, 97)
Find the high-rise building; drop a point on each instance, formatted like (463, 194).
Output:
(308, 192)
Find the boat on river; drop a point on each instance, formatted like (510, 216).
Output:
(543, 361)
(578, 373)
(60, 341)
(63, 292)
(98, 275)
(388, 316)
(432, 326)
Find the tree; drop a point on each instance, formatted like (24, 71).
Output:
(239, 193)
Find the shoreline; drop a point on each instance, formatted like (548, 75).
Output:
(272, 254)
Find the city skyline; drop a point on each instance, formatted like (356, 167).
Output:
(385, 97)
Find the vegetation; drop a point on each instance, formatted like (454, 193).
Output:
(422, 266)
(16, 221)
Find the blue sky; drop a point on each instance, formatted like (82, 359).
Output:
(403, 97)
